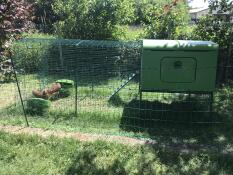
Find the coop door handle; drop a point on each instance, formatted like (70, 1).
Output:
(178, 65)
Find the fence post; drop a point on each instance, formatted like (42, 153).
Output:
(20, 95)
(228, 63)
(61, 56)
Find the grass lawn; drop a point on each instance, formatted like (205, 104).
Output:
(21, 154)
(120, 117)
(95, 113)
(183, 148)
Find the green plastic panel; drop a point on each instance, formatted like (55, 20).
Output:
(178, 70)
(181, 68)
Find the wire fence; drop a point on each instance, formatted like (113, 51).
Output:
(94, 86)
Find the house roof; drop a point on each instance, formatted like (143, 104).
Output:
(196, 10)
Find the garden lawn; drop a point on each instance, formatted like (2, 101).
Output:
(98, 116)
(95, 113)
(21, 154)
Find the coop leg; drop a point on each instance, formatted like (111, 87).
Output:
(211, 104)
(189, 96)
(190, 111)
(140, 107)
(140, 99)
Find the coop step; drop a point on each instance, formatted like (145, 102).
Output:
(122, 85)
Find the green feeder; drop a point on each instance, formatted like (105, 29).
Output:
(37, 106)
(66, 87)
(65, 92)
(65, 83)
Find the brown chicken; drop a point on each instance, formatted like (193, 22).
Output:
(47, 93)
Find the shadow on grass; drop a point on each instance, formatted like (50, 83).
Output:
(180, 123)
(108, 158)
(147, 113)
(116, 101)
(84, 163)
(183, 126)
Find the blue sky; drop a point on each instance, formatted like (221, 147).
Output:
(199, 3)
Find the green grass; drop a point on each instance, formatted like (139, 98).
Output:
(8, 94)
(121, 116)
(95, 113)
(131, 33)
(38, 35)
(23, 154)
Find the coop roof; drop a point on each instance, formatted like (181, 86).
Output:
(84, 43)
(179, 45)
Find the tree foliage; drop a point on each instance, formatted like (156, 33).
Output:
(166, 19)
(44, 15)
(15, 17)
(91, 19)
(217, 26)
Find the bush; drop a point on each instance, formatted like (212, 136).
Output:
(27, 56)
(15, 17)
(224, 101)
(140, 8)
(88, 19)
(44, 15)
(218, 27)
(166, 20)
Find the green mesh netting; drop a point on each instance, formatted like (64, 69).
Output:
(99, 90)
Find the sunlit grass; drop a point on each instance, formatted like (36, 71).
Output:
(21, 154)
(95, 113)
(8, 95)
(131, 33)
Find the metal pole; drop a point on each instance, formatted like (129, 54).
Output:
(20, 95)
(140, 109)
(92, 76)
(61, 57)
(189, 104)
(211, 104)
(76, 93)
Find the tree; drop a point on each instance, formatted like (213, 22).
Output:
(45, 17)
(91, 19)
(167, 19)
(15, 17)
(217, 26)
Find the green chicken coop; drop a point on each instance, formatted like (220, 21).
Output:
(173, 66)
(178, 66)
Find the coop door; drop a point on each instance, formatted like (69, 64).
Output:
(178, 69)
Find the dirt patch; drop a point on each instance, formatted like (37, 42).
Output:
(75, 135)
(83, 137)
